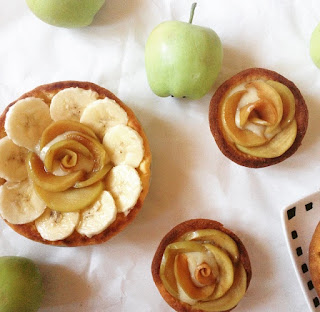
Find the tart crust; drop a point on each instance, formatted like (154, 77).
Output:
(226, 146)
(314, 259)
(46, 92)
(172, 236)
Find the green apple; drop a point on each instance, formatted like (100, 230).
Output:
(315, 46)
(182, 59)
(66, 13)
(20, 285)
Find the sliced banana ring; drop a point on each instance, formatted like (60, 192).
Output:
(54, 225)
(97, 217)
(19, 203)
(12, 164)
(124, 184)
(124, 145)
(69, 103)
(103, 114)
(26, 120)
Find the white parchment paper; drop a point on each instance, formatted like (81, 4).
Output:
(190, 176)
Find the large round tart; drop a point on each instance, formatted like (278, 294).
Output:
(70, 155)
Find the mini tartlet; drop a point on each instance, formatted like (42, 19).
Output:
(258, 118)
(201, 266)
(81, 164)
(314, 258)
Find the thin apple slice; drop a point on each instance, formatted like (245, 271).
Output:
(268, 93)
(277, 146)
(217, 238)
(61, 126)
(239, 136)
(97, 150)
(72, 199)
(167, 264)
(259, 112)
(62, 148)
(94, 177)
(288, 102)
(226, 271)
(184, 280)
(48, 181)
(231, 298)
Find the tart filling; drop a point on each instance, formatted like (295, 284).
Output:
(259, 117)
(71, 165)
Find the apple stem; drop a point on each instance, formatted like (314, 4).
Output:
(192, 12)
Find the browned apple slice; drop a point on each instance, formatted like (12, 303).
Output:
(217, 238)
(288, 101)
(226, 271)
(182, 274)
(231, 298)
(167, 265)
(239, 136)
(62, 126)
(94, 177)
(260, 112)
(97, 150)
(64, 148)
(266, 92)
(276, 146)
(72, 199)
(48, 181)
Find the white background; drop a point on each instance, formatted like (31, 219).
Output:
(190, 176)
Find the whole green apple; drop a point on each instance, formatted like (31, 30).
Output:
(66, 13)
(20, 285)
(182, 59)
(315, 46)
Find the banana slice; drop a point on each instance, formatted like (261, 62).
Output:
(26, 120)
(54, 225)
(96, 218)
(19, 203)
(124, 145)
(103, 114)
(69, 103)
(124, 184)
(12, 161)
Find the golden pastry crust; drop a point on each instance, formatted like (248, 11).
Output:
(226, 146)
(46, 92)
(172, 236)
(314, 259)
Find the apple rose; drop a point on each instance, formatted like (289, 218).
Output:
(71, 165)
(257, 113)
(203, 269)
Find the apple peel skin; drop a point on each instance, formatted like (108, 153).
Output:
(182, 59)
(65, 13)
(315, 46)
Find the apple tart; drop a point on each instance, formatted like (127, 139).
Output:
(258, 118)
(314, 258)
(201, 266)
(75, 164)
